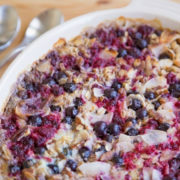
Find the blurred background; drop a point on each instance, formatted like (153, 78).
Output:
(27, 9)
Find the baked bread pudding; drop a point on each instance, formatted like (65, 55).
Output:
(102, 106)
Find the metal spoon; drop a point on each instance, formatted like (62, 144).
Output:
(9, 25)
(39, 25)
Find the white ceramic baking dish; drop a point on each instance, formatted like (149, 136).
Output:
(166, 11)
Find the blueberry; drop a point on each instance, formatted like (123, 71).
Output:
(141, 113)
(114, 129)
(101, 148)
(54, 56)
(110, 93)
(35, 120)
(57, 90)
(54, 168)
(120, 33)
(131, 92)
(137, 35)
(164, 126)
(76, 68)
(67, 151)
(164, 55)
(134, 52)
(135, 104)
(132, 132)
(78, 102)
(22, 94)
(100, 128)
(122, 53)
(50, 81)
(55, 108)
(118, 160)
(178, 156)
(70, 87)
(28, 141)
(85, 153)
(175, 90)
(14, 169)
(145, 30)
(40, 150)
(150, 95)
(133, 120)
(68, 120)
(158, 32)
(59, 75)
(30, 87)
(156, 104)
(71, 164)
(141, 43)
(174, 164)
(28, 163)
(71, 111)
(116, 85)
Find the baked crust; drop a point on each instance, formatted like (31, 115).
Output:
(104, 105)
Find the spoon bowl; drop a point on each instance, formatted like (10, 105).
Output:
(42, 23)
(39, 25)
(9, 25)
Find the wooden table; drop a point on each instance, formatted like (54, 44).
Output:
(27, 9)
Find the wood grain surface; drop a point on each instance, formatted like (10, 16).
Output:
(27, 9)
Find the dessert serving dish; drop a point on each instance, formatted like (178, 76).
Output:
(96, 98)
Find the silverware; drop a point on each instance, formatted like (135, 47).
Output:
(9, 25)
(39, 25)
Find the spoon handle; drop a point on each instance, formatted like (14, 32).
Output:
(12, 54)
